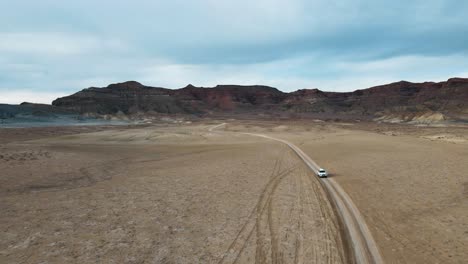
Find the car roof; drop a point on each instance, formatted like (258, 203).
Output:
(321, 170)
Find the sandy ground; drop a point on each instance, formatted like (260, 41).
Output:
(163, 195)
(410, 184)
(184, 194)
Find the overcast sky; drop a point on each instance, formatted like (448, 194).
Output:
(54, 48)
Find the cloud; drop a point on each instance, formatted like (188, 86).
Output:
(53, 44)
(16, 96)
(57, 46)
(308, 72)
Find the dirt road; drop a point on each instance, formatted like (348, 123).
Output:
(363, 244)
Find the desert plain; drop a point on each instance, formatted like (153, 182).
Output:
(203, 193)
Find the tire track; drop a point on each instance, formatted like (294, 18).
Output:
(237, 246)
(360, 238)
(365, 248)
(264, 228)
(266, 224)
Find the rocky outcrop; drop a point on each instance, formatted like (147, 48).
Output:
(426, 101)
(127, 97)
(131, 97)
(408, 100)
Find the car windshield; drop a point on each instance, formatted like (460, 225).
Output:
(322, 170)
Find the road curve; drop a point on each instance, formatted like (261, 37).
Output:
(365, 248)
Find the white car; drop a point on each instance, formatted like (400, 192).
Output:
(322, 173)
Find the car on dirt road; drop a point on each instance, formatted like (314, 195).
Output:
(322, 173)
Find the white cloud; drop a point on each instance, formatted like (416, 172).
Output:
(284, 74)
(414, 68)
(50, 43)
(15, 96)
(173, 75)
(290, 45)
(402, 63)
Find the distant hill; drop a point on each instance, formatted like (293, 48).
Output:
(400, 101)
(132, 97)
(31, 109)
(29, 114)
